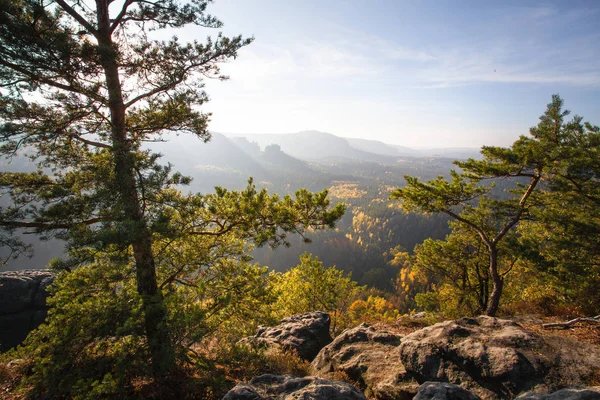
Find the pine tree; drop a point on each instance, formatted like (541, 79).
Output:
(529, 161)
(82, 88)
(562, 236)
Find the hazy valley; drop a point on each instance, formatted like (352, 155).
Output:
(359, 173)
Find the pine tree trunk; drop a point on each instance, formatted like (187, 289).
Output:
(159, 342)
(497, 281)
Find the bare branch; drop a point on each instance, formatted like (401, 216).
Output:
(568, 324)
(517, 217)
(47, 225)
(477, 229)
(77, 17)
(119, 17)
(91, 142)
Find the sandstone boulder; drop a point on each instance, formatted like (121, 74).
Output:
(492, 357)
(443, 391)
(370, 358)
(22, 304)
(280, 387)
(305, 334)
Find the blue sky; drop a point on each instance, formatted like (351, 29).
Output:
(413, 73)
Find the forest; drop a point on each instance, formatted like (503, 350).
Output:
(164, 273)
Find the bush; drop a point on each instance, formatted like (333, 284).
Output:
(374, 309)
(93, 344)
(310, 286)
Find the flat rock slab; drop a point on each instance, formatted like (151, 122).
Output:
(305, 334)
(491, 357)
(370, 358)
(285, 387)
(576, 393)
(443, 391)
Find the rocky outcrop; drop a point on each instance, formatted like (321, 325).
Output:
(305, 334)
(497, 359)
(466, 359)
(22, 304)
(575, 393)
(492, 357)
(279, 387)
(443, 391)
(370, 358)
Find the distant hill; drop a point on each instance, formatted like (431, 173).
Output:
(321, 146)
(457, 153)
(281, 160)
(377, 147)
(318, 146)
(217, 162)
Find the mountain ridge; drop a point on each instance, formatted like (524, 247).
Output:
(313, 145)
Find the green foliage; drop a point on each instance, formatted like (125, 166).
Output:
(83, 88)
(208, 285)
(92, 338)
(311, 287)
(459, 268)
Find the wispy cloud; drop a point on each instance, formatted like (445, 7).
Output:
(497, 64)
(264, 65)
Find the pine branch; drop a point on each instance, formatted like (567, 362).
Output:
(48, 225)
(77, 17)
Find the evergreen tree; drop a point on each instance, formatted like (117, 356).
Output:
(562, 238)
(458, 268)
(528, 161)
(82, 88)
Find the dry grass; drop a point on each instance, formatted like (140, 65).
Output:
(10, 375)
(588, 333)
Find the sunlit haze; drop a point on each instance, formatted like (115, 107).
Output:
(412, 73)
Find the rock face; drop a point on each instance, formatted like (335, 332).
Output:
(22, 304)
(491, 357)
(443, 391)
(576, 393)
(306, 334)
(280, 387)
(370, 358)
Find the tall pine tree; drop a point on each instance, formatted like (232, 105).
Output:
(82, 88)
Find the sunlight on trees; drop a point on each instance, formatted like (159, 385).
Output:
(310, 286)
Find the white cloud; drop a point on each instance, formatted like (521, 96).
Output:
(260, 66)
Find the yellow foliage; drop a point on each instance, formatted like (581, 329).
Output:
(375, 308)
(346, 190)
